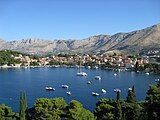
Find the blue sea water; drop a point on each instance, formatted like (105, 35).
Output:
(34, 80)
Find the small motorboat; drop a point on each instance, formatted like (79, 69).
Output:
(65, 86)
(116, 90)
(81, 74)
(129, 88)
(97, 77)
(104, 91)
(147, 73)
(89, 67)
(89, 82)
(68, 93)
(50, 89)
(95, 94)
(115, 74)
(96, 67)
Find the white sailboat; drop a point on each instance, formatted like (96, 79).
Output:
(80, 73)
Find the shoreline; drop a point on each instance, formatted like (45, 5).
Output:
(66, 66)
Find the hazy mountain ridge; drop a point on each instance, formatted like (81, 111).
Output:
(130, 43)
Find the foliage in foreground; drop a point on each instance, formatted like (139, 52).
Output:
(57, 108)
(6, 113)
(106, 109)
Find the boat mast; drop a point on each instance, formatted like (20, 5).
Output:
(80, 65)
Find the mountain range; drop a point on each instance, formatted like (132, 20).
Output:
(126, 43)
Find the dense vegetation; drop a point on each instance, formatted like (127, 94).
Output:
(7, 57)
(106, 109)
(149, 67)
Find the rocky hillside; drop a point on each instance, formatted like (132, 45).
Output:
(128, 43)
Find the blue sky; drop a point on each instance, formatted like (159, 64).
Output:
(74, 19)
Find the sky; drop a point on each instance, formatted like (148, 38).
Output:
(74, 19)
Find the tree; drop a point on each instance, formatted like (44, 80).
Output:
(143, 115)
(34, 63)
(153, 100)
(105, 109)
(118, 113)
(7, 57)
(23, 106)
(132, 111)
(134, 94)
(6, 113)
(75, 111)
(131, 98)
(44, 108)
(137, 66)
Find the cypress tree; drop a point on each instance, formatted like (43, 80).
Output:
(23, 106)
(131, 98)
(134, 94)
(118, 96)
(24, 100)
(118, 107)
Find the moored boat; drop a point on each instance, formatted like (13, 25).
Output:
(104, 91)
(89, 82)
(95, 94)
(96, 67)
(50, 89)
(157, 80)
(65, 86)
(98, 77)
(115, 74)
(129, 88)
(69, 93)
(81, 74)
(116, 90)
(89, 67)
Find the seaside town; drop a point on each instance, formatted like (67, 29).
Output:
(79, 60)
(115, 62)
